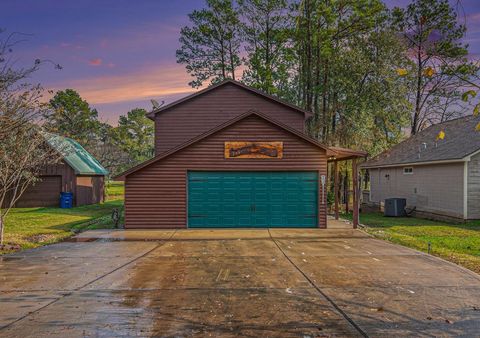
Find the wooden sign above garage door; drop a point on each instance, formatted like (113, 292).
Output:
(242, 149)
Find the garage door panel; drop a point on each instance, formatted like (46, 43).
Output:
(242, 222)
(276, 198)
(252, 199)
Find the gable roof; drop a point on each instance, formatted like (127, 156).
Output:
(461, 140)
(152, 114)
(219, 128)
(81, 161)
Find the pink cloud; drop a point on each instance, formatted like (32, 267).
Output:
(473, 23)
(474, 16)
(150, 82)
(95, 62)
(69, 45)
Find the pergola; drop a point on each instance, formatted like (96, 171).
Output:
(343, 154)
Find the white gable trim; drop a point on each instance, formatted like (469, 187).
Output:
(469, 157)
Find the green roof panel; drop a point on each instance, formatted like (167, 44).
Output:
(75, 155)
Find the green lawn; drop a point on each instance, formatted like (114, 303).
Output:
(33, 227)
(458, 243)
(114, 190)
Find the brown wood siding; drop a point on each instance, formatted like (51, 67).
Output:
(196, 116)
(85, 189)
(90, 190)
(36, 196)
(155, 196)
(64, 170)
(44, 193)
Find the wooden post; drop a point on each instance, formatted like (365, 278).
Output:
(356, 206)
(335, 186)
(345, 191)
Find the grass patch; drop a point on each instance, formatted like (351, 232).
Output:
(458, 243)
(114, 190)
(33, 227)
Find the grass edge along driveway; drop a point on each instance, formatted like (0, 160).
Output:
(34, 227)
(457, 243)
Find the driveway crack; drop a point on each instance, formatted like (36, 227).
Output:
(311, 282)
(129, 262)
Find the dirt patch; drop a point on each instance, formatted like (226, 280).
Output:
(10, 247)
(40, 238)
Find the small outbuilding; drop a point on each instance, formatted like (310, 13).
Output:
(437, 171)
(78, 172)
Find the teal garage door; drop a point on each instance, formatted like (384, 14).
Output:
(252, 199)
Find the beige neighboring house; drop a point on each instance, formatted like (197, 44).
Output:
(439, 177)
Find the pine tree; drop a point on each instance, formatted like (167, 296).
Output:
(267, 27)
(210, 47)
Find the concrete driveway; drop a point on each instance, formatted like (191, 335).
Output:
(299, 283)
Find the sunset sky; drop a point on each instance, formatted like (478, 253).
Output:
(119, 54)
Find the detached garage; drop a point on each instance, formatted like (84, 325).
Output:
(230, 156)
(78, 172)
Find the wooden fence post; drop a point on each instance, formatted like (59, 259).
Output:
(356, 206)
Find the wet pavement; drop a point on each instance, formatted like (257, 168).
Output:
(254, 283)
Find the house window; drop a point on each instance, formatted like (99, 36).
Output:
(407, 170)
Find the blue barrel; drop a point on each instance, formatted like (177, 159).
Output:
(66, 200)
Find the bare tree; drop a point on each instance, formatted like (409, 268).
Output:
(23, 156)
(441, 100)
(23, 151)
(433, 35)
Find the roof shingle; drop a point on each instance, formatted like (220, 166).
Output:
(461, 140)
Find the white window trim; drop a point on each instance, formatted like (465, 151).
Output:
(408, 173)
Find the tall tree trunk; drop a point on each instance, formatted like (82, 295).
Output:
(317, 76)
(333, 115)
(1, 229)
(308, 67)
(268, 62)
(232, 62)
(325, 102)
(418, 99)
(224, 74)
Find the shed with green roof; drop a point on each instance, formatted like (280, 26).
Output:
(78, 172)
